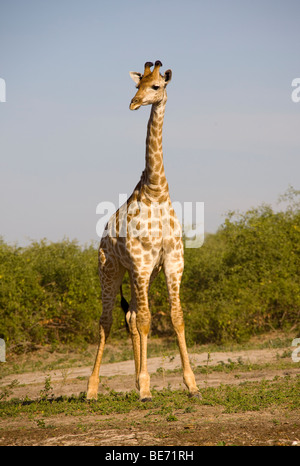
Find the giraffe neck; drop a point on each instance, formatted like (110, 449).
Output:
(155, 178)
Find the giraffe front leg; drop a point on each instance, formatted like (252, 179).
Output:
(93, 383)
(144, 378)
(143, 326)
(173, 278)
(188, 375)
(111, 277)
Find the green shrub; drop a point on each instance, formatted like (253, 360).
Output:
(49, 293)
(244, 280)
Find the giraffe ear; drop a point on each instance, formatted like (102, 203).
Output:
(135, 76)
(168, 76)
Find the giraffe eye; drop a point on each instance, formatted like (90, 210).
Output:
(155, 88)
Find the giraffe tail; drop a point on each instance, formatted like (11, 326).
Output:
(124, 306)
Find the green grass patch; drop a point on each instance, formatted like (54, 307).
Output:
(230, 366)
(251, 396)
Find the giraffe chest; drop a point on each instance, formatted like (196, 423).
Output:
(141, 234)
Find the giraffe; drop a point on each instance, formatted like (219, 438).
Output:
(126, 245)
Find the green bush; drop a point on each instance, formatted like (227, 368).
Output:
(49, 293)
(244, 280)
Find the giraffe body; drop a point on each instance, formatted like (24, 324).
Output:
(143, 237)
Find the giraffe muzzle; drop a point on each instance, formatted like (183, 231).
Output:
(135, 104)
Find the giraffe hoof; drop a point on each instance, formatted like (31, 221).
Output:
(92, 392)
(148, 398)
(195, 395)
(91, 395)
(92, 388)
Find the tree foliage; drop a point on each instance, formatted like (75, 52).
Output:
(244, 280)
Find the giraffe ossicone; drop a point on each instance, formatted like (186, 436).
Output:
(143, 238)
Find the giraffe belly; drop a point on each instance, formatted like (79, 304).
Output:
(134, 252)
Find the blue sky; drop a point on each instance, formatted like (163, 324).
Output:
(68, 140)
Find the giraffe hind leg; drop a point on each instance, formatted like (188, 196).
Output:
(142, 322)
(130, 317)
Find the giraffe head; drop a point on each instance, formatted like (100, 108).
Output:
(151, 85)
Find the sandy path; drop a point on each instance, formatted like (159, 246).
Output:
(120, 375)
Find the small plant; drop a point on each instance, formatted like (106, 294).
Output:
(47, 392)
(41, 423)
(7, 391)
(82, 427)
(189, 409)
(171, 418)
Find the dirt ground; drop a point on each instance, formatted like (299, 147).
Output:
(205, 425)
